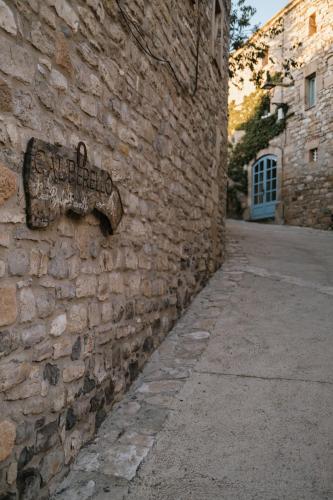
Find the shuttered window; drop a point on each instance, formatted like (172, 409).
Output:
(311, 90)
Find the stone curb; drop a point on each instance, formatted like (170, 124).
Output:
(105, 467)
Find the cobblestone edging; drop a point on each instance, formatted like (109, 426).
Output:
(107, 465)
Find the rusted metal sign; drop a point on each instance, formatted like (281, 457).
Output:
(58, 181)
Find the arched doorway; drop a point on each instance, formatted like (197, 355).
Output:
(264, 187)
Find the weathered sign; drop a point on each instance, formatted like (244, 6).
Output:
(58, 181)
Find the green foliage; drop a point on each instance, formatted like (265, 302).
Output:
(240, 23)
(238, 116)
(246, 51)
(258, 131)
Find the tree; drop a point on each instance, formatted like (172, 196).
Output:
(249, 45)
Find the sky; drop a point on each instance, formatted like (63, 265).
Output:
(266, 9)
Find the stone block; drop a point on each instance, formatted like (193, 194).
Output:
(67, 13)
(116, 283)
(109, 73)
(88, 105)
(46, 94)
(131, 259)
(48, 15)
(90, 21)
(70, 112)
(4, 238)
(74, 371)
(6, 104)
(7, 19)
(62, 348)
(26, 390)
(77, 318)
(25, 109)
(18, 262)
(103, 287)
(42, 350)
(65, 291)
(47, 436)
(72, 446)
(86, 286)
(9, 341)
(58, 325)
(58, 80)
(62, 56)
(27, 305)
(38, 262)
(12, 473)
(29, 483)
(58, 267)
(16, 61)
(107, 312)
(45, 302)
(7, 438)
(58, 399)
(12, 374)
(98, 8)
(94, 314)
(8, 183)
(41, 40)
(76, 349)
(95, 87)
(37, 405)
(88, 54)
(8, 305)
(52, 464)
(12, 216)
(51, 373)
(33, 335)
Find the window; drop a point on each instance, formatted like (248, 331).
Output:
(310, 90)
(265, 59)
(217, 33)
(314, 155)
(312, 24)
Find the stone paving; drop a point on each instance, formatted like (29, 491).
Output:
(105, 468)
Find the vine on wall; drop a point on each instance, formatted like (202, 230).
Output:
(259, 128)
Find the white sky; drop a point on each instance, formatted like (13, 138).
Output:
(266, 9)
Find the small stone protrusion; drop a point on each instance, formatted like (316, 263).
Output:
(7, 438)
(6, 105)
(8, 184)
(8, 305)
(7, 20)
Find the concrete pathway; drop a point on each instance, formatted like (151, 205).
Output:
(237, 403)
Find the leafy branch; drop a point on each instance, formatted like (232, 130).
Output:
(249, 46)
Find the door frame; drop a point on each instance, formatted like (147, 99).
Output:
(268, 207)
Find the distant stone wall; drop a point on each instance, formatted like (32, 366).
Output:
(81, 312)
(309, 200)
(307, 191)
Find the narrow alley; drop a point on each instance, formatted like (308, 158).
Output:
(237, 403)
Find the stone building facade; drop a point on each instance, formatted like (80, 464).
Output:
(303, 152)
(80, 312)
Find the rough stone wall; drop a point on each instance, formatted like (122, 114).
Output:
(307, 191)
(81, 312)
(306, 187)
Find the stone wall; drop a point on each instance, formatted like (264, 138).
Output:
(305, 187)
(81, 312)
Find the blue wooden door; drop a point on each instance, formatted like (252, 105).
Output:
(264, 192)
